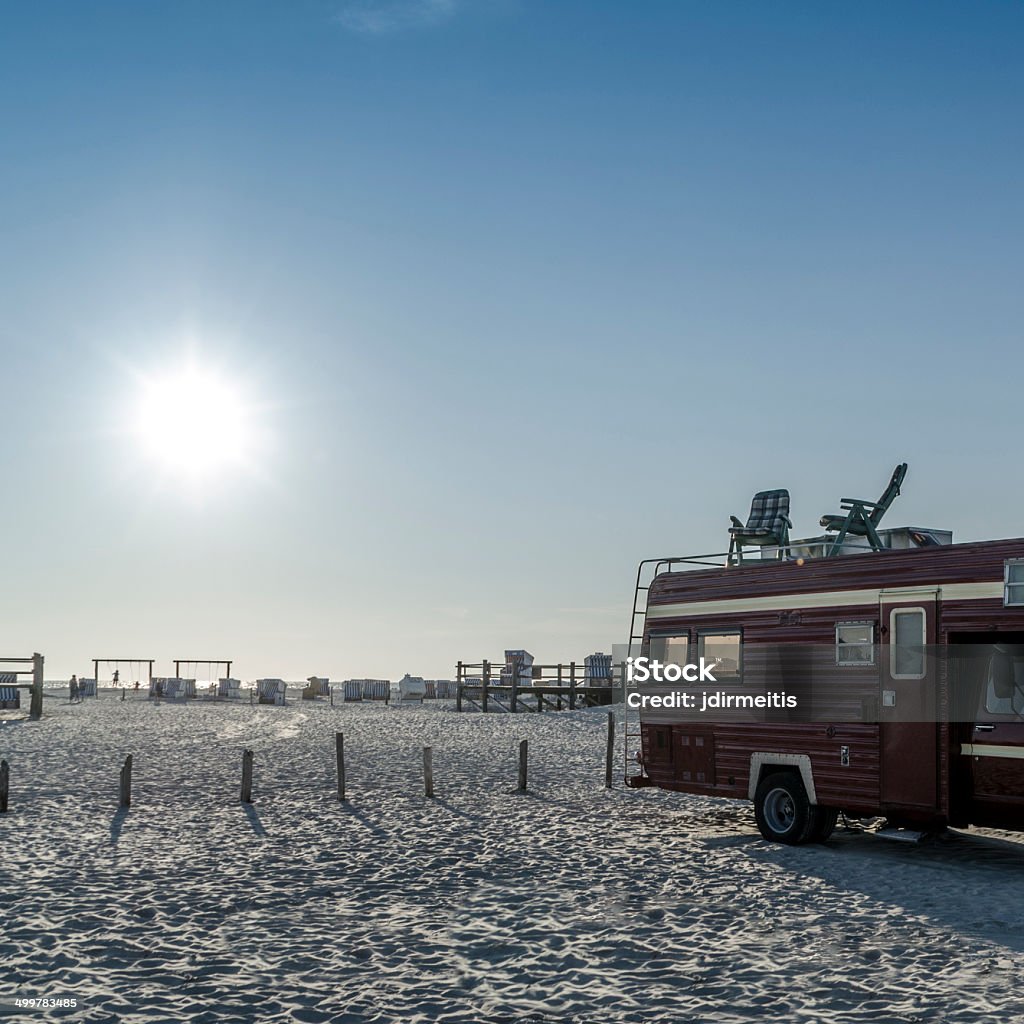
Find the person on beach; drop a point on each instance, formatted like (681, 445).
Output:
(117, 676)
(73, 687)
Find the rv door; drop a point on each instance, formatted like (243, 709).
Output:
(996, 744)
(908, 678)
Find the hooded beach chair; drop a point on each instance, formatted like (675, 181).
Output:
(271, 691)
(230, 689)
(767, 524)
(858, 520)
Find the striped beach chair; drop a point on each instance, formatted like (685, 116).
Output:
(444, 688)
(598, 669)
(430, 692)
(377, 689)
(10, 696)
(352, 691)
(271, 691)
(188, 687)
(518, 666)
(316, 686)
(229, 689)
(86, 687)
(174, 689)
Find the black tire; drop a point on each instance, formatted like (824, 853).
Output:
(825, 819)
(783, 812)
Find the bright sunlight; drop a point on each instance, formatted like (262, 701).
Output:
(194, 422)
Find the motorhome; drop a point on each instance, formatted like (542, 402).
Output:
(905, 657)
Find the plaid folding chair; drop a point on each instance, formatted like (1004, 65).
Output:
(767, 524)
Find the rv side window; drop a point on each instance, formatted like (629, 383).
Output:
(725, 649)
(906, 643)
(1013, 593)
(670, 650)
(855, 643)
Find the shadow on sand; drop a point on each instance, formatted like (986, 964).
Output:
(345, 806)
(254, 820)
(116, 824)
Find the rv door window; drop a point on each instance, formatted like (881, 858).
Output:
(1014, 590)
(1004, 691)
(670, 650)
(726, 650)
(855, 643)
(906, 645)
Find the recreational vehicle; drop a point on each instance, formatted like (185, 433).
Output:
(890, 676)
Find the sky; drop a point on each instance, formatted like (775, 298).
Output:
(499, 296)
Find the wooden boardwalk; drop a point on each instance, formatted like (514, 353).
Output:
(483, 687)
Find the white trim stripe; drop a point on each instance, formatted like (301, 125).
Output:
(987, 590)
(991, 750)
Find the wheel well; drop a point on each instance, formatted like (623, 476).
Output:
(764, 763)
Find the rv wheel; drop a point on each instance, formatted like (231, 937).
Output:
(825, 819)
(783, 812)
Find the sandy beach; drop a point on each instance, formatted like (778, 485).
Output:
(567, 904)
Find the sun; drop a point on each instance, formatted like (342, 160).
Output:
(194, 422)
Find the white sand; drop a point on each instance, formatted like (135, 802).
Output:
(570, 904)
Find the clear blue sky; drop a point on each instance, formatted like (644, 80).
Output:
(517, 292)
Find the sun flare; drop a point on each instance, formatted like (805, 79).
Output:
(194, 422)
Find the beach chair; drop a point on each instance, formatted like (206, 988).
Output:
(86, 687)
(352, 691)
(430, 691)
(175, 689)
(518, 667)
(271, 691)
(597, 669)
(377, 689)
(229, 689)
(861, 518)
(320, 685)
(188, 687)
(411, 688)
(444, 689)
(767, 525)
(10, 696)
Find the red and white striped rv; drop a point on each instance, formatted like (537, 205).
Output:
(905, 659)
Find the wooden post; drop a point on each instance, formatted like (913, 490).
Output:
(486, 680)
(5, 785)
(458, 686)
(246, 776)
(126, 783)
(515, 688)
(339, 748)
(122, 693)
(36, 702)
(428, 771)
(522, 766)
(609, 753)
(330, 689)
(572, 685)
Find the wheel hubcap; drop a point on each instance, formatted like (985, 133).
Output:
(780, 811)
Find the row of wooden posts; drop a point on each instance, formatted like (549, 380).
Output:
(125, 786)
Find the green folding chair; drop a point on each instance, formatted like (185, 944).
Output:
(861, 518)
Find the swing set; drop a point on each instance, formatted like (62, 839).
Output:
(209, 666)
(136, 668)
